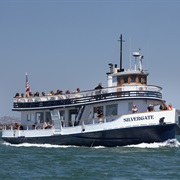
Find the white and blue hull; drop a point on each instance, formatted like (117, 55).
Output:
(125, 130)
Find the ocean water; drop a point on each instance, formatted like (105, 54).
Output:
(46, 162)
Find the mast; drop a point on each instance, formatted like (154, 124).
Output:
(120, 39)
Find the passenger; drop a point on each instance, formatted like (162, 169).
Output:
(50, 124)
(99, 86)
(30, 95)
(57, 92)
(22, 95)
(99, 114)
(60, 92)
(15, 126)
(169, 107)
(77, 95)
(43, 94)
(45, 125)
(17, 95)
(150, 108)
(51, 93)
(163, 105)
(36, 94)
(68, 92)
(77, 90)
(134, 109)
(20, 127)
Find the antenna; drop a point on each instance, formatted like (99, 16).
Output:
(136, 55)
(120, 39)
(140, 62)
(130, 54)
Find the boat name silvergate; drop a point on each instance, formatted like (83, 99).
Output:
(138, 118)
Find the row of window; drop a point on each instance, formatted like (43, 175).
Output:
(132, 79)
(41, 117)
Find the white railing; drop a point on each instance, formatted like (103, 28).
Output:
(85, 94)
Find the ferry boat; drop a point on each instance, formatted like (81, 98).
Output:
(98, 117)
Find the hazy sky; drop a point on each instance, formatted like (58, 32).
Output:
(65, 44)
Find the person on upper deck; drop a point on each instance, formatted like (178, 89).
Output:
(51, 93)
(68, 92)
(17, 95)
(43, 93)
(99, 86)
(29, 95)
(163, 105)
(58, 92)
(77, 93)
(36, 94)
(77, 90)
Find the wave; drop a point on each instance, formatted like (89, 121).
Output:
(37, 145)
(171, 143)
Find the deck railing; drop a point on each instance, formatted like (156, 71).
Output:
(88, 96)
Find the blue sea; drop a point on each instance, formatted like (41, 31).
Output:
(46, 162)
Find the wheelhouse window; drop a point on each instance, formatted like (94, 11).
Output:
(111, 110)
(145, 80)
(142, 79)
(125, 79)
(133, 78)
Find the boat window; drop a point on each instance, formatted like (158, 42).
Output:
(39, 117)
(95, 111)
(125, 79)
(133, 79)
(142, 79)
(62, 115)
(111, 110)
(48, 116)
(72, 116)
(145, 80)
(119, 80)
(130, 105)
(29, 117)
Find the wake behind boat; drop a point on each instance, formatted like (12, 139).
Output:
(125, 112)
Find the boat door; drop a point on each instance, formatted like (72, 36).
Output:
(56, 119)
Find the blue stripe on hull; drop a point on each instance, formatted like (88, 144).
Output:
(109, 138)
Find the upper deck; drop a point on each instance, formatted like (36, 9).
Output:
(87, 97)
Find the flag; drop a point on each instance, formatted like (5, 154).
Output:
(27, 86)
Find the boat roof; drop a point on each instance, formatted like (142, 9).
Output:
(131, 72)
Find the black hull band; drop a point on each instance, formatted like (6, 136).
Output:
(108, 138)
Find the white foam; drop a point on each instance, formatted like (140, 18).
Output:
(37, 145)
(169, 143)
